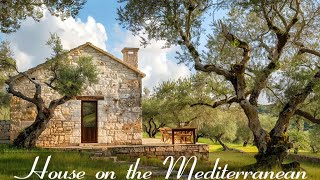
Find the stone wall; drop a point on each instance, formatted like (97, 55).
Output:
(5, 130)
(298, 157)
(162, 151)
(119, 114)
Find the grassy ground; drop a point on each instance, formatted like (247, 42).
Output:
(238, 160)
(145, 135)
(19, 162)
(215, 147)
(4, 113)
(15, 162)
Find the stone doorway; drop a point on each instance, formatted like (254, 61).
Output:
(89, 119)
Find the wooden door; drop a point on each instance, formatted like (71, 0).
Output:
(89, 118)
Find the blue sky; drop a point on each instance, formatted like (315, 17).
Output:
(105, 12)
(97, 24)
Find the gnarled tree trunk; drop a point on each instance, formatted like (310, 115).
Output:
(219, 140)
(224, 146)
(28, 137)
(152, 128)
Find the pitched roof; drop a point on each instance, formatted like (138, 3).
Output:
(111, 56)
(96, 48)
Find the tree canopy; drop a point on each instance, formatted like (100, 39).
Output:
(13, 12)
(259, 47)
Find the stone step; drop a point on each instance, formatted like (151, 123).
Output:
(90, 144)
(4, 141)
(101, 153)
(110, 158)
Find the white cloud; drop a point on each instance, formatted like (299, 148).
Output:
(30, 49)
(29, 42)
(154, 61)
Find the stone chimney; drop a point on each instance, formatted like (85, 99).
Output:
(130, 56)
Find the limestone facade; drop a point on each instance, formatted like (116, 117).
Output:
(5, 130)
(119, 113)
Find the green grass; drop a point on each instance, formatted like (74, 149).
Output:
(18, 162)
(248, 149)
(309, 154)
(145, 135)
(4, 113)
(237, 161)
(215, 147)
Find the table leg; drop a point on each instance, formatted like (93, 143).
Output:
(194, 136)
(172, 136)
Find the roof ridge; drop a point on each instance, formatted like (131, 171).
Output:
(96, 48)
(109, 55)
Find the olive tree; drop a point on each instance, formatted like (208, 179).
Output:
(67, 79)
(13, 12)
(153, 115)
(255, 48)
(314, 137)
(219, 125)
(5, 71)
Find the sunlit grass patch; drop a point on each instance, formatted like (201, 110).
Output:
(15, 162)
(4, 113)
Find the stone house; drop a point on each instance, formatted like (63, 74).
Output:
(106, 113)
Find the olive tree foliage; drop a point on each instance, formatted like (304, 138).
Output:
(68, 78)
(5, 71)
(314, 136)
(300, 140)
(244, 135)
(176, 97)
(13, 12)
(259, 46)
(168, 105)
(219, 125)
(174, 103)
(154, 116)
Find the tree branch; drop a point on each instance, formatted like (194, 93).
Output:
(290, 108)
(283, 20)
(307, 115)
(270, 24)
(294, 19)
(10, 82)
(217, 103)
(37, 94)
(240, 44)
(195, 54)
(310, 51)
(282, 39)
(54, 103)
(275, 95)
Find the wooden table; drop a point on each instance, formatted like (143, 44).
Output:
(192, 130)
